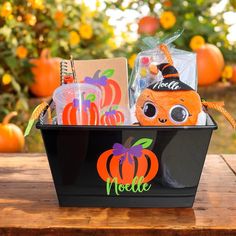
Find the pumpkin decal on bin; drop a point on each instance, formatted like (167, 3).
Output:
(112, 117)
(169, 102)
(73, 114)
(46, 71)
(111, 91)
(126, 163)
(11, 136)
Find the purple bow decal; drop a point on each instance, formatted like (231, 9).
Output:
(75, 102)
(85, 104)
(119, 149)
(96, 81)
(112, 112)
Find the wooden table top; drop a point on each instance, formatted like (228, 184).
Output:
(28, 205)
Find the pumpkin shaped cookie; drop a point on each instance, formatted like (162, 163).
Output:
(168, 102)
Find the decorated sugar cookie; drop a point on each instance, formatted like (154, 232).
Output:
(168, 102)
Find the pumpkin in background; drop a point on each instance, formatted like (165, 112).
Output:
(46, 72)
(210, 63)
(167, 3)
(127, 163)
(148, 25)
(11, 136)
(233, 79)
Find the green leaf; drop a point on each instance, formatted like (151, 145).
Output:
(145, 142)
(115, 107)
(15, 85)
(12, 62)
(29, 127)
(108, 73)
(22, 104)
(91, 97)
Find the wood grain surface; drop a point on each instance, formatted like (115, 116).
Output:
(28, 205)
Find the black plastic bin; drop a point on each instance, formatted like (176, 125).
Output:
(73, 153)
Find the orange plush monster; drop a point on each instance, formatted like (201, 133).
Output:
(168, 102)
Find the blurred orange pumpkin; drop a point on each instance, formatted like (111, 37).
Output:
(233, 79)
(148, 25)
(167, 3)
(210, 63)
(11, 136)
(46, 72)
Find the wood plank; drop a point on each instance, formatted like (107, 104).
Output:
(115, 232)
(19, 154)
(231, 161)
(22, 168)
(28, 206)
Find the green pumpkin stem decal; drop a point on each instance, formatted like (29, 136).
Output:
(145, 142)
(128, 168)
(108, 73)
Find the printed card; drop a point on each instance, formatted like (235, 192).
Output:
(110, 75)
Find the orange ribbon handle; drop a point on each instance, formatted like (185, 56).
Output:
(165, 50)
(219, 107)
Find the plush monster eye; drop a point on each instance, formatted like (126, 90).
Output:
(178, 114)
(149, 110)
